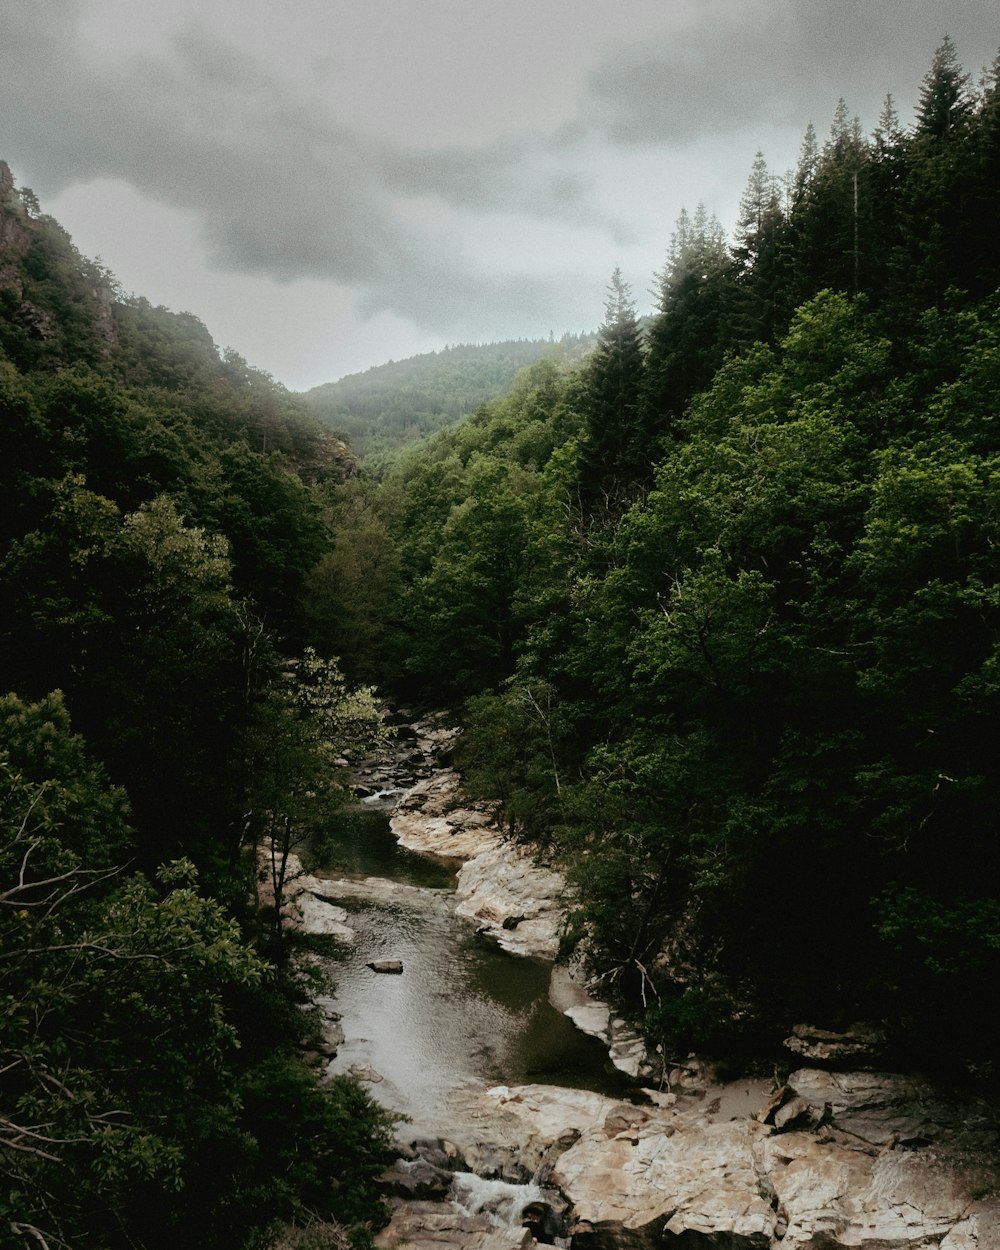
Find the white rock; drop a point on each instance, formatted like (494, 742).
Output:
(435, 819)
(503, 883)
(316, 915)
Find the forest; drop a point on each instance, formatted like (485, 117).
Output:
(717, 605)
(720, 605)
(391, 405)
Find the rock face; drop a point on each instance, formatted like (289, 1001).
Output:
(859, 1045)
(515, 900)
(435, 818)
(639, 1176)
(306, 904)
(425, 1226)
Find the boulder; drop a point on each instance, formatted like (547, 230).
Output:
(365, 1072)
(418, 1180)
(331, 1030)
(317, 915)
(853, 1048)
(513, 899)
(417, 1226)
(435, 818)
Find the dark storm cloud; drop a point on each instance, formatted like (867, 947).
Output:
(778, 62)
(280, 187)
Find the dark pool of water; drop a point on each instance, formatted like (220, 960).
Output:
(463, 1012)
(361, 844)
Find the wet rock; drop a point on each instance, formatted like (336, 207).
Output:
(330, 1028)
(438, 1151)
(852, 1048)
(417, 1180)
(393, 966)
(435, 818)
(365, 1072)
(515, 900)
(626, 1047)
(318, 915)
(306, 902)
(416, 1227)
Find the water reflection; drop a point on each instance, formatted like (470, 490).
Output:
(463, 1011)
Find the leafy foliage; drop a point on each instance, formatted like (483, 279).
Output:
(163, 507)
(390, 406)
(134, 1099)
(722, 602)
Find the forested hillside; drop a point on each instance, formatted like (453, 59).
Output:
(161, 714)
(721, 605)
(718, 605)
(391, 405)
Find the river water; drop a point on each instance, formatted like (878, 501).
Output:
(463, 1012)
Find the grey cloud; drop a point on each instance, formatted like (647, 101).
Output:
(455, 299)
(777, 62)
(280, 187)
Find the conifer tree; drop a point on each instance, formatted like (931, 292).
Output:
(761, 304)
(617, 451)
(805, 171)
(684, 345)
(938, 182)
(945, 101)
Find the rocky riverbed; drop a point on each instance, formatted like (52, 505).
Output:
(835, 1156)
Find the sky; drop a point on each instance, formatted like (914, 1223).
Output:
(331, 184)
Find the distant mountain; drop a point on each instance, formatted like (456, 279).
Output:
(393, 404)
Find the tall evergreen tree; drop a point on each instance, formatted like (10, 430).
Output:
(805, 170)
(945, 100)
(617, 452)
(684, 344)
(761, 304)
(937, 186)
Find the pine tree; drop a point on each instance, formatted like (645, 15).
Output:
(945, 101)
(938, 183)
(888, 133)
(684, 346)
(762, 296)
(616, 452)
(805, 171)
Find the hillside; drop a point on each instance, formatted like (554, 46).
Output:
(720, 606)
(161, 715)
(388, 406)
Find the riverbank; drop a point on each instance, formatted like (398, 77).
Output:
(831, 1158)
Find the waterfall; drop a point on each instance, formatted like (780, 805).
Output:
(510, 1205)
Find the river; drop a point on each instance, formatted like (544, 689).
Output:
(463, 1012)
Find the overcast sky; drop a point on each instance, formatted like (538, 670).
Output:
(330, 184)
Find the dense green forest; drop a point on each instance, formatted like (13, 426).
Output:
(718, 606)
(162, 714)
(721, 605)
(392, 405)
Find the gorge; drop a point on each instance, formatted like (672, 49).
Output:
(519, 1130)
